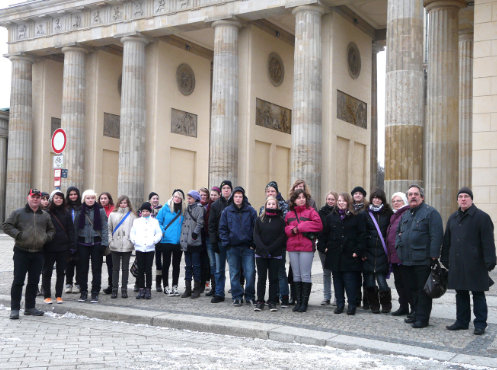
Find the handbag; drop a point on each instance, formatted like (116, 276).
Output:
(134, 268)
(309, 235)
(436, 284)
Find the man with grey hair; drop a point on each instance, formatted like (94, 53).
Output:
(418, 242)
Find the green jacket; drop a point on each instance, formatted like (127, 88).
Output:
(31, 230)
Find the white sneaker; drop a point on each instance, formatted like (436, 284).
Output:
(68, 288)
(167, 291)
(76, 289)
(175, 291)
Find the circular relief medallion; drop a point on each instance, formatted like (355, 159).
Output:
(276, 69)
(185, 78)
(353, 60)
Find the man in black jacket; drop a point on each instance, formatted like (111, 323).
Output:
(31, 228)
(468, 252)
(214, 215)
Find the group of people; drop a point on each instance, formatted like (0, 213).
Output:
(360, 243)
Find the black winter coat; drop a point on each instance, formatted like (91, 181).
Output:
(375, 259)
(269, 236)
(215, 211)
(323, 213)
(343, 238)
(468, 249)
(64, 231)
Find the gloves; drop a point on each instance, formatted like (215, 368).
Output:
(194, 236)
(490, 266)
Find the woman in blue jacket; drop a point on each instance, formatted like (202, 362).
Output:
(170, 219)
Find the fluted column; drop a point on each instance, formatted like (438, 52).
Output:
(404, 114)
(465, 107)
(307, 98)
(223, 160)
(133, 109)
(442, 113)
(4, 132)
(73, 119)
(20, 149)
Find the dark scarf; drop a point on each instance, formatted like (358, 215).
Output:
(271, 211)
(97, 224)
(358, 206)
(342, 213)
(177, 207)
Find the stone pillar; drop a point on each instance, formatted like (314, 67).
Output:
(465, 107)
(4, 132)
(133, 114)
(442, 113)
(73, 119)
(20, 149)
(223, 160)
(307, 99)
(404, 111)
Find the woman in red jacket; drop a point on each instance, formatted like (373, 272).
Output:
(302, 225)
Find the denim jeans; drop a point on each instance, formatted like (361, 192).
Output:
(30, 263)
(415, 278)
(463, 308)
(220, 274)
(282, 277)
(326, 278)
(301, 263)
(267, 267)
(371, 277)
(192, 266)
(96, 253)
(346, 282)
(212, 256)
(238, 257)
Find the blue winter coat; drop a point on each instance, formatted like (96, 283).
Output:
(173, 233)
(236, 226)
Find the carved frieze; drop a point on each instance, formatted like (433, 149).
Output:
(112, 124)
(183, 123)
(41, 28)
(352, 110)
(273, 116)
(22, 31)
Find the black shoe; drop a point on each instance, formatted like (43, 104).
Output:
(83, 297)
(33, 312)
(237, 302)
(456, 326)
(14, 314)
(338, 310)
(158, 282)
(217, 299)
(108, 290)
(285, 301)
(259, 306)
(141, 293)
(479, 331)
(124, 293)
(135, 288)
(114, 293)
(401, 312)
(94, 298)
(148, 293)
(351, 310)
(419, 325)
(410, 320)
(272, 307)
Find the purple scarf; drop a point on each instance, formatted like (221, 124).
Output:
(97, 224)
(342, 213)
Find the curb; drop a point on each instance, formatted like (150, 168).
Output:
(254, 329)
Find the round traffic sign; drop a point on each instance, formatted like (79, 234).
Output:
(59, 140)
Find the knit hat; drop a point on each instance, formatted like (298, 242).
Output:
(465, 190)
(239, 189)
(195, 195)
(179, 190)
(227, 182)
(274, 185)
(151, 195)
(216, 189)
(358, 189)
(88, 193)
(56, 191)
(146, 206)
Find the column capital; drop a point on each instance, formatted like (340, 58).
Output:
(137, 37)
(21, 57)
(434, 4)
(227, 22)
(309, 8)
(75, 47)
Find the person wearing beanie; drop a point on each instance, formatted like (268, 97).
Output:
(468, 252)
(73, 204)
(170, 218)
(236, 233)
(107, 203)
(215, 212)
(56, 250)
(191, 244)
(119, 229)
(214, 195)
(92, 240)
(145, 234)
(153, 199)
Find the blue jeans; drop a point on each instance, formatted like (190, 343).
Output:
(371, 277)
(238, 257)
(326, 278)
(346, 282)
(463, 308)
(212, 256)
(283, 279)
(192, 266)
(220, 274)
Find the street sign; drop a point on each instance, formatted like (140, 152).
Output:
(59, 141)
(57, 172)
(56, 183)
(58, 161)
(64, 173)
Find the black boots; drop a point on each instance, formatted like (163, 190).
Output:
(386, 301)
(188, 289)
(124, 292)
(213, 287)
(114, 293)
(197, 289)
(403, 310)
(372, 298)
(306, 292)
(293, 294)
(158, 281)
(141, 293)
(148, 293)
(297, 295)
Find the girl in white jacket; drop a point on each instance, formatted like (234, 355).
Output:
(145, 233)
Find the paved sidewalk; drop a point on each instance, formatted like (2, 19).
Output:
(319, 325)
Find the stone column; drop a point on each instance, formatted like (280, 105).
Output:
(307, 99)
(73, 119)
(223, 160)
(442, 113)
(133, 114)
(4, 132)
(404, 111)
(20, 149)
(465, 107)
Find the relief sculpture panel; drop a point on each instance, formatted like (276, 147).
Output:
(183, 123)
(273, 116)
(352, 110)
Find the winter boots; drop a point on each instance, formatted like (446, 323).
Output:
(293, 294)
(158, 281)
(213, 287)
(188, 289)
(114, 293)
(197, 289)
(372, 297)
(306, 292)
(148, 293)
(297, 296)
(386, 301)
(141, 293)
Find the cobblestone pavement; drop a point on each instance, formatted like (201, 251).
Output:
(364, 325)
(74, 342)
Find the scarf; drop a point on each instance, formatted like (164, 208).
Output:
(375, 209)
(97, 224)
(271, 211)
(358, 206)
(342, 213)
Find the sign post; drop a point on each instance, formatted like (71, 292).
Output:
(59, 141)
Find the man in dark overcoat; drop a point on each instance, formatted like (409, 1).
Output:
(468, 252)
